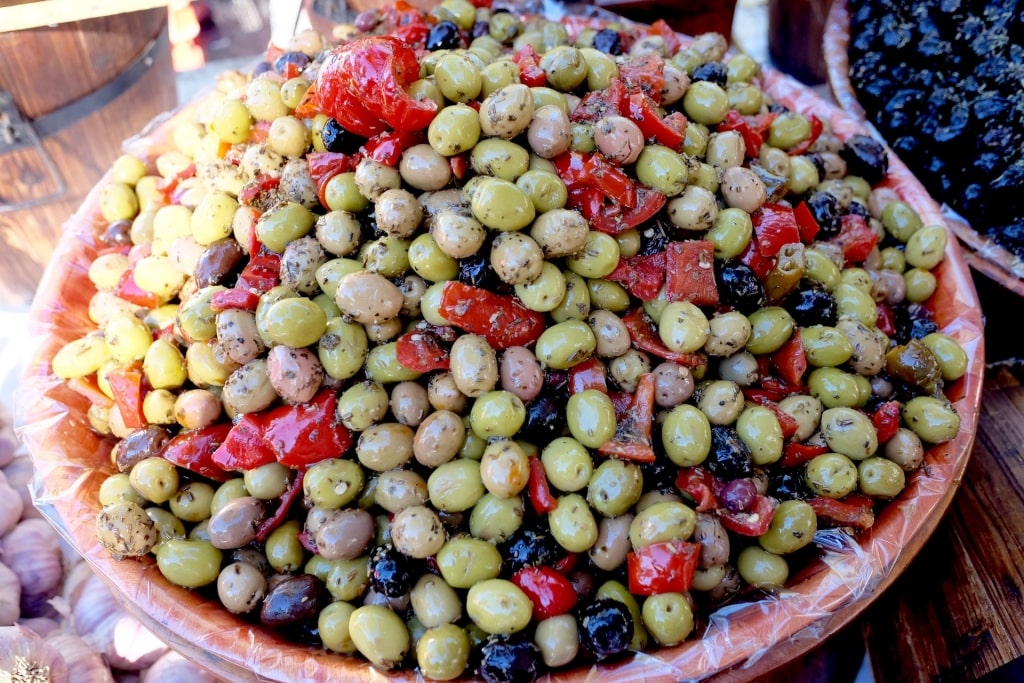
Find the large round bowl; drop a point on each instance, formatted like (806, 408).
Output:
(747, 639)
(981, 253)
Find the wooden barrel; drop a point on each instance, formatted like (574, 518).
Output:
(69, 95)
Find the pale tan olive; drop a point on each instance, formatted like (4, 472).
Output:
(444, 394)
(695, 209)
(424, 168)
(613, 544)
(417, 532)
(456, 235)
(345, 534)
(673, 384)
(238, 335)
(196, 408)
(465, 561)
(549, 131)
(721, 401)
(743, 189)
(434, 602)
(125, 530)
(504, 468)
(241, 587)
(385, 446)
(398, 213)
(409, 403)
(474, 365)
(507, 112)
(610, 332)
(683, 327)
(236, 524)
(558, 639)
(905, 449)
(560, 232)
(619, 139)
(516, 258)
(368, 297)
(399, 489)
(438, 438)
(373, 179)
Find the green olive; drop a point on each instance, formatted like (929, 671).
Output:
(762, 569)
(565, 67)
(500, 205)
(566, 344)
(196, 319)
(668, 617)
(362, 405)
(283, 549)
(572, 523)
(744, 98)
(342, 348)
(853, 302)
(705, 102)
(601, 68)
(834, 388)
(155, 479)
(455, 129)
(952, 358)
(382, 365)
(741, 68)
(759, 429)
(611, 296)
(880, 478)
(500, 158)
(788, 129)
(665, 521)
(598, 258)
(429, 262)
(933, 420)
(497, 75)
(456, 485)
(591, 417)
(190, 564)
(831, 474)
(442, 652)
(464, 561)
(546, 291)
(820, 268)
(730, 233)
(497, 413)
(825, 346)
(498, 606)
(496, 519)
(568, 465)
(227, 492)
(380, 635)
(920, 284)
(289, 222)
(546, 190)
(686, 435)
(347, 579)
(457, 77)
(849, 432)
(663, 169)
(803, 175)
(333, 484)
(793, 526)
(294, 322)
(901, 220)
(332, 625)
(387, 256)
(267, 482)
(615, 487)
(770, 328)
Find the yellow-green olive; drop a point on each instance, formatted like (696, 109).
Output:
(849, 432)
(567, 464)
(686, 435)
(457, 77)
(454, 129)
(825, 346)
(566, 344)
(759, 429)
(662, 169)
(283, 549)
(665, 521)
(834, 388)
(615, 487)
(668, 617)
(683, 327)
(456, 485)
(880, 478)
(497, 413)
(500, 205)
(831, 474)
(380, 635)
(545, 189)
(498, 606)
(762, 569)
(591, 417)
(465, 561)
(730, 233)
(294, 322)
(190, 564)
(705, 102)
(598, 258)
(793, 526)
(770, 328)
(951, 356)
(933, 420)
(495, 519)
(901, 220)
(500, 158)
(442, 652)
(572, 523)
(332, 625)
(288, 222)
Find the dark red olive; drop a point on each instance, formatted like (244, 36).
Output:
(218, 262)
(294, 600)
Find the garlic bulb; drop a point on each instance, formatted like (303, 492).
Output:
(32, 551)
(85, 665)
(27, 658)
(173, 668)
(10, 596)
(110, 630)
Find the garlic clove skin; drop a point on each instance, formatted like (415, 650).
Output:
(32, 551)
(24, 656)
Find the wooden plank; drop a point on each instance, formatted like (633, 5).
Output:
(21, 16)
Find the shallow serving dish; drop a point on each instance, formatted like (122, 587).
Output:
(747, 638)
(981, 253)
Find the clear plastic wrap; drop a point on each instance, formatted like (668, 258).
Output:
(982, 253)
(747, 637)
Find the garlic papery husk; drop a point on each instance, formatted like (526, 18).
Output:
(85, 665)
(109, 629)
(27, 658)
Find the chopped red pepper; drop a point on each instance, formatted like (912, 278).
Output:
(790, 361)
(167, 186)
(779, 387)
(690, 272)
(261, 274)
(645, 337)
(459, 164)
(856, 238)
(665, 567)
(752, 138)
(775, 226)
(194, 449)
(667, 33)
(621, 401)
(253, 191)
(245, 447)
(128, 290)
(816, 128)
(530, 73)
(752, 522)
(126, 385)
(806, 223)
(234, 299)
(645, 73)
(758, 262)
(539, 490)
(590, 374)
(644, 112)
(325, 165)
(566, 563)
(642, 276)
(422, 351)
(699, 484)
(856, 510)
(502, 320)
(613, 219)
(886, 320)
(363, 84)
(407, 23)
(287, 499)
(550, 592)
(90, 389)
(787, 422)
(632, 440)
(609, 179)
(304, 434)
(597, 104)
(387, 147)
(795, 453)
(886, 420)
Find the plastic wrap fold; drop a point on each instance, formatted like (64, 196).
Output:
(982, 253)
(748, 638)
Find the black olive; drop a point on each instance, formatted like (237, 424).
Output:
(609, 41)
(293, 600)
(712, 72)
(476, 270)
(545, 419)
(865, 157)
(296, 59)
(811, 305)
(659, 475)
(530, 546)
(729, 457)
(556, 381)
(260, 68)
(606, 627)
(789, 485)
(912, 321)
(739, 287)
(509, 659)
(392, 573)
(858, 209)
(825, 208)
(336, 138)
(655, 235)
(444, 35)
(480, 28)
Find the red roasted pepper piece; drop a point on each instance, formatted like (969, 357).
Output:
(621, 401)
(790, 361)
(758, 262)
(126, 385)
(530, 73)
(89, 388)
(609, 179)
(304, 434)
(501, 320)
(665, 567)
(590, 374)
(325, 165)
(886, 420)
(856, 510)
(700, 485)
(795, 453)
(816, 128)
(690, 272)
(261, 274)
(167, 186)
(422, 351)
(260, 185)
(597, 104)
(613, 219)
(774, 226)
(856, 238)
(363, 84)
(128, 290)
(642, 333)
(642, 276)
(787, 423)
(539, 490)
(387, 147)
(667, 33)
(245, 447)
(632, 440)
(550, 592)
(234, 299)
(646, 74)
(752, 137)
(806, 223)
(194, 449)
(752, 522)
(644, 113)
(886, 321)
(287, 499)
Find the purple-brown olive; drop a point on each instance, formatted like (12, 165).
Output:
(293, 600)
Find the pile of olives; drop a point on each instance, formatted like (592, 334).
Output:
(475, 522)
